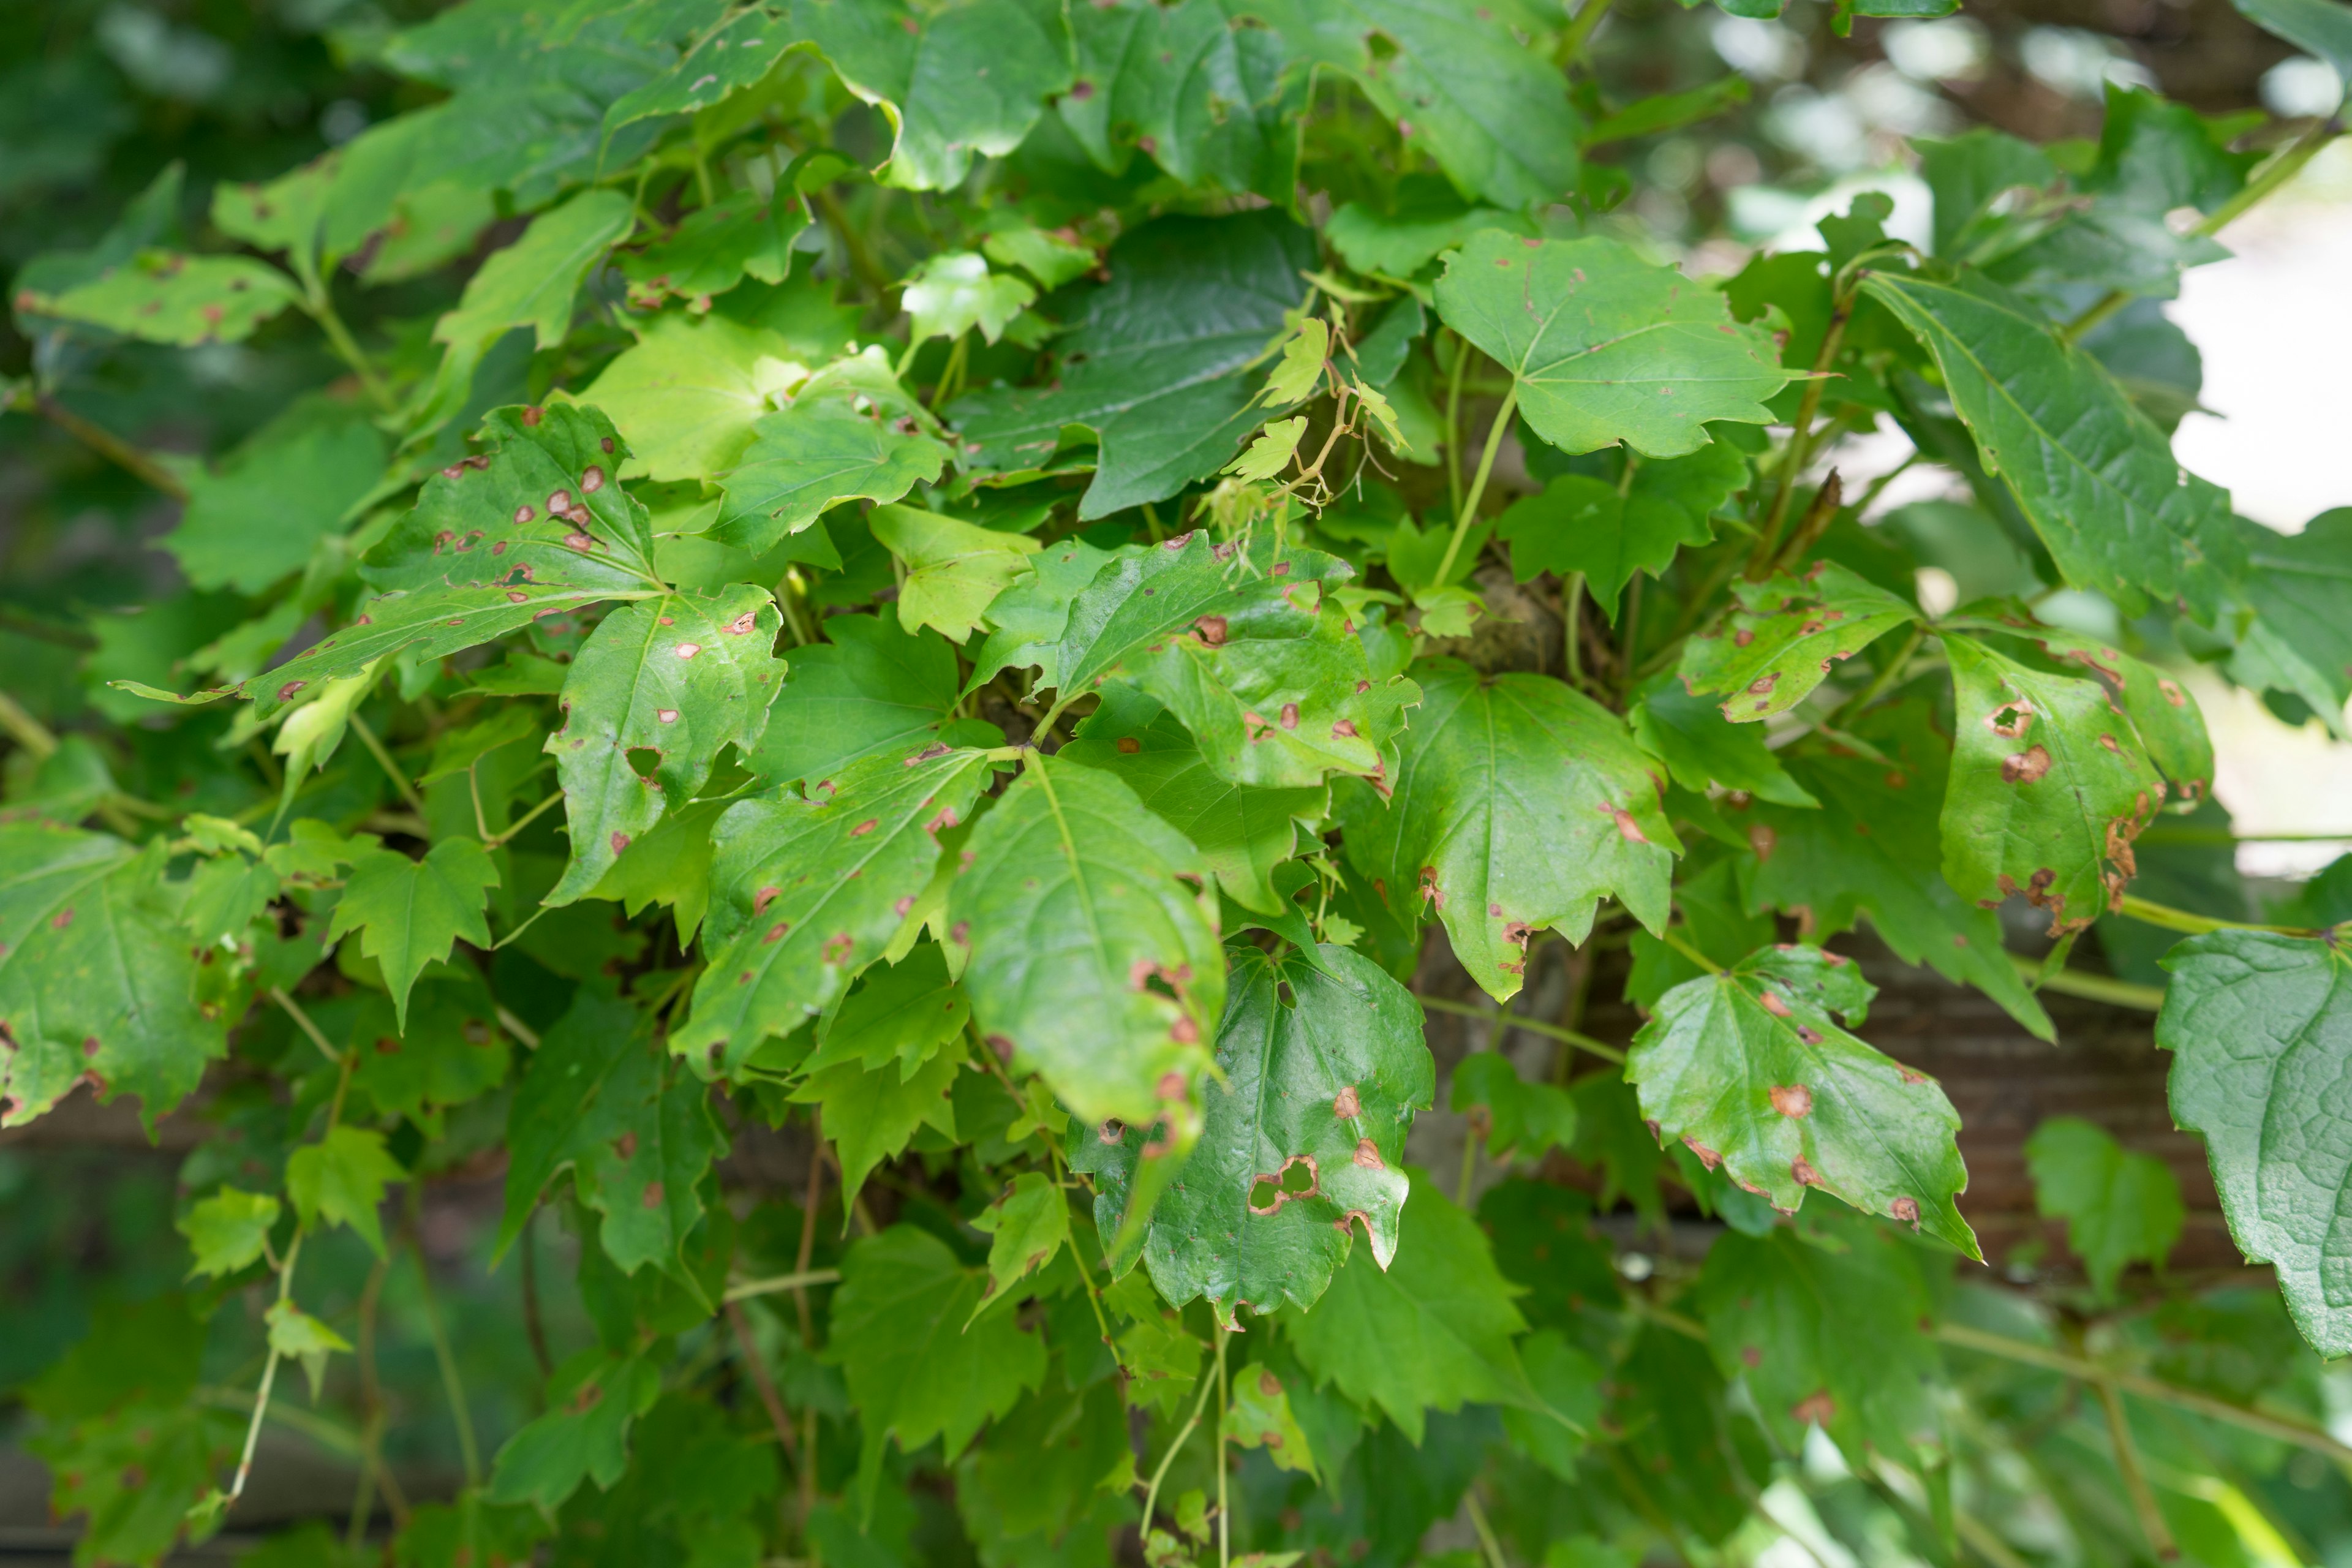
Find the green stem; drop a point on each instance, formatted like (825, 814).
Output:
(2143, 1495)
(1885, 678)
(1224, 1507)
(799, 1278)
(320, 307)
(2155, 914)
(113, 448)
(1533, 1026)
(1675, 939)
(1160, 1474)
(302, 1022)
(26, 730)
(414, 800)
(1488, 1542)
(1571, 614)
(2090, 987)
(452, 1386)
(1495, 433)
(1580, 30)
(1800, 439)
(527, 819)
(1453, 424)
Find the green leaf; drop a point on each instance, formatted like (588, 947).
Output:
(1270, 453)
(735, 55)
(2167, 718)
(870, 1112)
(1605, 347)
(165, 297)
(1834, 1330)
(634, 1128)
(1518, 804)
(294, 1334)
(1206, 99)
(1260, 1418)
(899, 1016)
(680, 677)
(1323, 1066)
(919, 1366)
(98, 980)
(1874, 849)
(1088, 958)
(1155, 360)
(282, 215)
(715, 248)
(1700, 746)
(843, 437)
(1431, 1332)
(530, 283)
(1581, 524)
(1750, 1071)
(870, 687)
(410, 912)
(2120, 1207)
(2050, 785)
(1524, 1120)
(593, 1400)
(1243, 833)
(2096, 479)
(953, 569)
(1428, 218)
(811, 890)
(1053, 258)
(534, 528)
(452, 1050)
(341, 1180)
(255, 519)
(950, 293)
(2301, 637)
(1771, 653)
(1026, 1225)
(228, 1230)
(2321, 28)
(961, 78)
(2252, 1021)
(692, 391)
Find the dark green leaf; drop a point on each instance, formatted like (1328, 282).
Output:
(592, 1401)
(870, 688)
(1699, 745)
(828, 446)
(410, 912)
(1581, 524)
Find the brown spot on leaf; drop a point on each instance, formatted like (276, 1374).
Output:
(625, 1145)
(1792, 1100)
(1345, 1104)
(653, 1194)
(2026, 766)
(1211, 629)
(1770, 1001)
(1806, 1176)
(591, 479)
(1907, 1210)
(1816, 1409)
(1706, 1156)
(1368, 1155)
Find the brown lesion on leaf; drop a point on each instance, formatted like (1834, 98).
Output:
(1706, 1156)
(1368, 1155)
(1627, 828)
(2028, 766)
(2011, 719)
(1800, 1170)
(1816, 1409)
(1792, 1100)
(1907, 1210)
(1347, 1104)
(1772, 1003)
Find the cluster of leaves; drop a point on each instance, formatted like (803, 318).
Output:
(1009, 718)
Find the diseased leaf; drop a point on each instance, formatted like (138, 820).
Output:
(1026, 1225)
(1605, 347)
(810, 890)
(1748, 1069)
(1090, 961)
(680, 677)
(953, 569)
(1517, 806)
(98, 980)
(1431, 1331)
(729, 57)
(452, 1051)
(601, 1099)
(2120, 1206)
(870, 688)
(165, 297)
(1302, 1143)
(2169, 725)
(2255, 1024)
(409, 914)
(2050, 785)
(1260, 1418)
(2096, 479)
(899, 1018)
(1769, 654)
(341, 1180)
(1699, 745)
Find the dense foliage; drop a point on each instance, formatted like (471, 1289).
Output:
(947, 590)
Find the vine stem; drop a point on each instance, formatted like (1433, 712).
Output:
(1506, 1020)
(1478, 482)
(1675, 940)
(113, 448)
(414, 800)
(1453, 424)
(1224, 1507)
(2143, 1495)
(1800, 439)
(799, 1280)
(320, 306)
(452, 1384)
(1580, 30)
(1487, 1541)
(1160, 1474)
(2148, 912)
(2090, 987)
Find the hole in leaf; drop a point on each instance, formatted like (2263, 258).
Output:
(644, 759)
(1297, 1178)
(1263, 1193)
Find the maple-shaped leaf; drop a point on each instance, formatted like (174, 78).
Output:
(1431, 1331)
(1874, 849)
(1093, 943)
(451, 1050)
(1302, 1142)
(2170, 725)
(409, 914)
(1026, 621)
(2120, 1206)
(1518, 804)
(1243, 832)
(1749, 1069)
(584, 1434)
(536, 526)
(97, 978)
(342, 1178)
(870, 688)
(1605, 347)
(1769, 654)
(900, 1016)
(1611, 531)
(2050, 785)
(228, 1230)
(2255, 1023)
(954, 569)
(918, 1367)
(727, 59)
(871, 1111)
(633, 1125)
(715, 248)
(849, 434)
(1026, 1225)
(680, 677)
(810, 890)
(1700, 746)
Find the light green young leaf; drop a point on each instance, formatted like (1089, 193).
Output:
(681, 676)
(1748, 1069)
(1432, 1330)
(97, 975)
(165, 297)
(2255, 1024)
(716, 246)
(1295, 376)
(1088, 958)
(952, 293)
(1027, 1225)
(953, 569)
(1428, 216)
(534, 527)
(1605, 347)
(592, 1402)
(687, 396)
(1052, 257)
(2097, 481)
(341, 1180)
(601, 1097)
(810, 891)
(871, 1112)
(870, 688)
(1769, 654)
(295, 1334)
(1581, 524)
(2050, 785)
(410, 912)
(1578, 821)
(283, 215)
(225, 895)
(1302, 1142)
(227, 1230)
(1270, 453)
(2120, 1206)
(1523, 1120)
